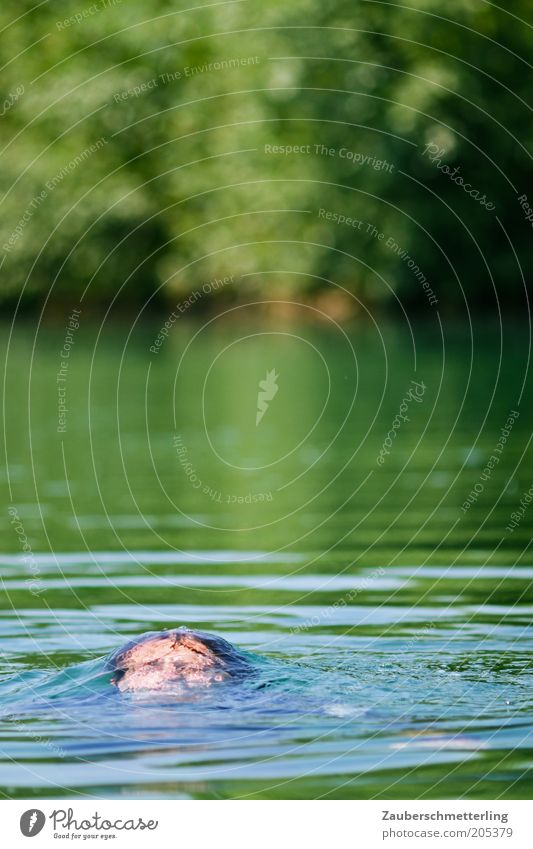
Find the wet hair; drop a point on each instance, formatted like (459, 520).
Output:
(234, 662)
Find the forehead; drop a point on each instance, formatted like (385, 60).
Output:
(145, 651)
(156, 646)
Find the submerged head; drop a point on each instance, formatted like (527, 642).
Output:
(161, 660)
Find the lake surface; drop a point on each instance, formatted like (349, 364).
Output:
(358, 540)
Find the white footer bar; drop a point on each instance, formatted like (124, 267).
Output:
(267, 824)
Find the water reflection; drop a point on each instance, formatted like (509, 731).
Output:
(392, 629)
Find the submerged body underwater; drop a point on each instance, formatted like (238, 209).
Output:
(182, 706)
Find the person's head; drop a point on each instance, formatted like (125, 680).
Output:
(162, 659)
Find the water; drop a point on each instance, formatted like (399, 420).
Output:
(389, 628)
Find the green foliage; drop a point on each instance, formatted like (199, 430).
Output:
(133, 149)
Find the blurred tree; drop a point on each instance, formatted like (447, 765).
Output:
(149, 152)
